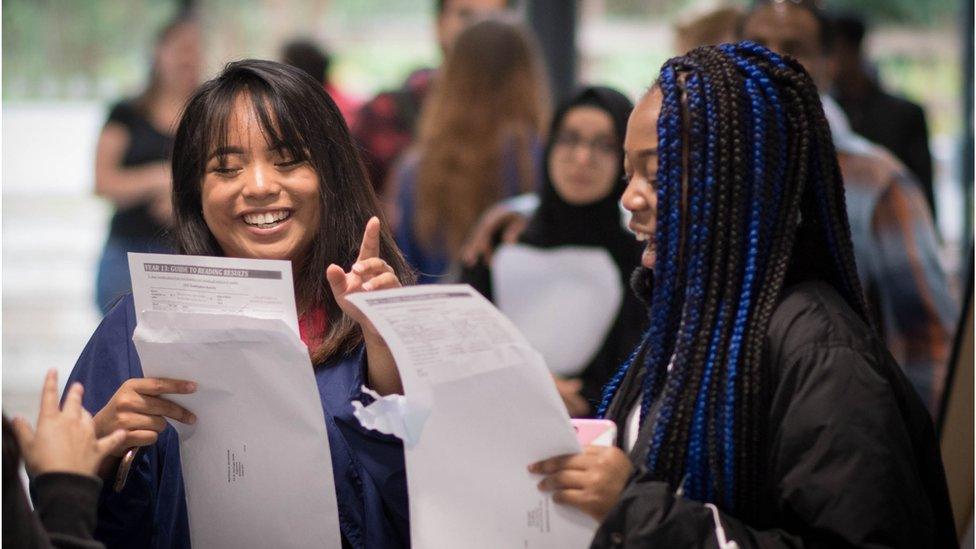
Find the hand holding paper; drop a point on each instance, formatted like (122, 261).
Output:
(591, 481)
(139, 409)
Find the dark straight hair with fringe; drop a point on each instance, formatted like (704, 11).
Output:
(743, 132)
(297, 116)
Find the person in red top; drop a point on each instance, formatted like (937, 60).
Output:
(385, 125)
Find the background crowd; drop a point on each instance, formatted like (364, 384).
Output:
(481, 161)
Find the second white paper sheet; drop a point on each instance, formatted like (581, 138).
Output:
(493, 410)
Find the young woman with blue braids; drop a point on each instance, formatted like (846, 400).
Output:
(760, 409)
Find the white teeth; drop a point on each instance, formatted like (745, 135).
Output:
(266, 218)
(642, 237)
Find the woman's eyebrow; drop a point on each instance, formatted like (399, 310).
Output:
(281, 147)
(225, 151)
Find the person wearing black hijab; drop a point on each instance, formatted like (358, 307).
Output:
(575, 256)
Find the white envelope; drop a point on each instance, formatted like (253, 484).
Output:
(492, 409)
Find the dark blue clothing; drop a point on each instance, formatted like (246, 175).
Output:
(368, 467)
(433, 263)
(113, 277)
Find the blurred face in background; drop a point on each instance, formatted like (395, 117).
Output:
(458, 14)
(179, 58)
(792, 30)
(585, 156)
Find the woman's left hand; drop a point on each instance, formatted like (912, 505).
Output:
(569, 390)
(591, 481)
(368, 273)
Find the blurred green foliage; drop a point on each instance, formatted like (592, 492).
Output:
(85, 50)
(70, 44)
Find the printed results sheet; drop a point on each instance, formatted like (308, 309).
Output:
(493, 410)
(256, 465)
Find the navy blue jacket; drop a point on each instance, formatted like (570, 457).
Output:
(368, 467)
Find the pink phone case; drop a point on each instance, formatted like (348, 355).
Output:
(596, 432)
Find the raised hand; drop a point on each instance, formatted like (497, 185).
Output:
(65, 439)
(368, 273)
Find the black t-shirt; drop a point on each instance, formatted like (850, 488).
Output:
(146, 145)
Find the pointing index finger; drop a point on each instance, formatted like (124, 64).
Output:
(371, 240)
(49, 394)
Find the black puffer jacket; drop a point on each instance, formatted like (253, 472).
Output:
(853, 456)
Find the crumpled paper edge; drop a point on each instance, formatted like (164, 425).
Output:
(392, 415)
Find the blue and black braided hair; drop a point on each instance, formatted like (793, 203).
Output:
(742, 136)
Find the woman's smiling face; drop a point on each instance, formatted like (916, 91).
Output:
(258, 201)
(640, 167)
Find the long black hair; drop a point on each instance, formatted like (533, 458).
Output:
(742, 132)
(297, 115)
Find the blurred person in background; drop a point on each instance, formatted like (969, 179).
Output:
(892, 122)
(480, 140)
(895, 241)
(505, 221)
(308, 56)
(131, 158)
(62, 457)
(579, 212)
(385, 126)
(706, 26)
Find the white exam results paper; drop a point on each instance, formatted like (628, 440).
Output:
(493, 410)
(256, 465)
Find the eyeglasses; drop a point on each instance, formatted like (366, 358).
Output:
(568, 141)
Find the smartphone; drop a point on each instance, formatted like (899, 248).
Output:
(598, 432)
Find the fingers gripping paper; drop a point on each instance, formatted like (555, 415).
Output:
(492, 410)
(256, 465)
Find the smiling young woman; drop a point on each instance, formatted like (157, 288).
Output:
(760, 409)
(263, 167)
